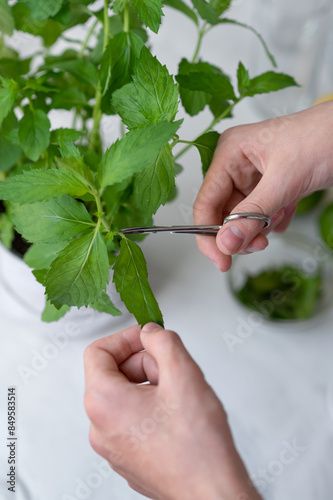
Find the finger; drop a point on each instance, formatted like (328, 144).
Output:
(97, 442)
(207, 244)
(175, 365)
(140, 367)
(228, 161)
(140, 490)
(237, 235)
(103, 357)
(289, 212)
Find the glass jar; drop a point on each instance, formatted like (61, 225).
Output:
(294, 258)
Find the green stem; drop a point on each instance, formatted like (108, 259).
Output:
(208, 129)
(86, 41)
(100, 211)
(126, 18)
(97, 112)
(70, 40)
(106, 24)
(202, 32)
(97, 116)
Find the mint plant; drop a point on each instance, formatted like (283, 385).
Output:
(61, 191)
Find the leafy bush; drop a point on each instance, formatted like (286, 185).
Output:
(62, 192)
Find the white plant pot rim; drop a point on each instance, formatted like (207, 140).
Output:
(24, 300)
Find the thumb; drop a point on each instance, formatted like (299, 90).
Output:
(175, 365)
(237, 235)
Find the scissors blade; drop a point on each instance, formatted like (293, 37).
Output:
(205, 230)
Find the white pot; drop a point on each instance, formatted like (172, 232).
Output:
(22, 300)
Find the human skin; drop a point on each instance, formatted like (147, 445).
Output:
(169, 439)
(264, 168)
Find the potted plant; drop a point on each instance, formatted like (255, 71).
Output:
(61, 190)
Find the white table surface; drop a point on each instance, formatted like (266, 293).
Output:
(277, 384)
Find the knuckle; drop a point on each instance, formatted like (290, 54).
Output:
(97, 442)
(228, 134)
(173, 339)
(96, 411)
(90, 349)
(93, 440)
(90, 406)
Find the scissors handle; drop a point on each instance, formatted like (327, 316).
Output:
(204, 230)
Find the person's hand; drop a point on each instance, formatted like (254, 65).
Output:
(170, 438)
(264, 168)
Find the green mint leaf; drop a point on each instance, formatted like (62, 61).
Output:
(206, 145)
(14, 68)
(69, 150)
(122, 208)
(193, 101)
(104, 304)
(65, 135)
(182, 7)
(77, 167)
(154, 184)
(243, 78)
(53, 221)
(80, 273)
(135, 151)
(212, 83)
(7, 97)
(219, 107)
(220, 6)
(84, 71)
(69, 99)
(267, 82)
(41, 9)
(41, 255)
(38, 185)
(6, 18)
(131, 280)
(72, 14)
(9, 153)
(150, 12)
(260, 38)
(51, 313)
(118, 61)
(6, 230)
(151, 98)
(35, 84)
(40, 275)
(48, 29)
(34, 133)
(119, 6)
(206, 11)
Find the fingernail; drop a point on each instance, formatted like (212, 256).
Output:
(151, 327)
(290, 208)
(277, 217)
(252, 250)
(232, 239)
(261, 246)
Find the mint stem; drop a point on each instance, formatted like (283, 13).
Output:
(97, 112)
(202, 32)
(86, 41)
(208, 129)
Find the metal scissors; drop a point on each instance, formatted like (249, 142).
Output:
(203, 230)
